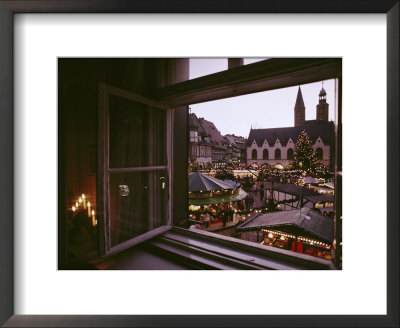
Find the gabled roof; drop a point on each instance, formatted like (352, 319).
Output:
(215, 136)
(207, 129)
(235, 142)
(230, 139)
(194, 121)
(305, 219)
(291, 189)
(314, 129)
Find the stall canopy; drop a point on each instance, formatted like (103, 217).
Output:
(202, 182)
(241, 194)
(233, 184)
(329, 185)
(320, 199)
(304, 220)
(291, 189)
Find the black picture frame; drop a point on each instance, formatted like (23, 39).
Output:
(7, 11)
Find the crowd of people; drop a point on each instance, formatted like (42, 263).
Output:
(207, 214)
(214, 213)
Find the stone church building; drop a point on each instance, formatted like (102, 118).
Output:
(276, 145)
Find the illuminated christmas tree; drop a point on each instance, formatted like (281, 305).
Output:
(304, 156)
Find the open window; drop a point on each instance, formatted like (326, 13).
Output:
(134, 168)
(134, 125)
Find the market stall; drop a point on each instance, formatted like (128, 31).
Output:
(322, 203)
(212, 197)
(303, 230)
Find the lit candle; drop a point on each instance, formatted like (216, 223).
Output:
(73, 208)
(93, 218)
(84, 201)
(89, 213)
(76, 205)
(80, 200)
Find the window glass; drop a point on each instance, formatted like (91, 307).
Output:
(265, 154)
(136, 185)
(131, 125)
(318, 153)
(290, 153)
(137, 203)
(277, 154)
(254, 154)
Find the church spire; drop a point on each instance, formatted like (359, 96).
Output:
(322, 95)
(299, 99)
(299, 109)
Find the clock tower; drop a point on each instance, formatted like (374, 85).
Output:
(323, 106)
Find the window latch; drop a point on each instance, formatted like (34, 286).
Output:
(123, 190)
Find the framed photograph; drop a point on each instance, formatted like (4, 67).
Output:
(130, 157)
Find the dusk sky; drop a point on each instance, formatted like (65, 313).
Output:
(268, 109)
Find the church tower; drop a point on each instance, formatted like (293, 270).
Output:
(323, 106)
(299, 110)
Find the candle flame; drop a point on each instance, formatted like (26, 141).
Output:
(83, 196)
(73, 208)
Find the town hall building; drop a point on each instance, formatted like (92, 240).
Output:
(276, 145)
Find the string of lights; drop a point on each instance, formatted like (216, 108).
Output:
(307, 240)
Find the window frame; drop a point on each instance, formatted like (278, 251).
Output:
(105, 91)
(262, 76)
(270, 74)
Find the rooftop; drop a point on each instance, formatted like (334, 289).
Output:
(305, 219)
(314, 129)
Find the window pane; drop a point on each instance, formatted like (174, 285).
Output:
(131, 125)
(158, 148)
(137, 203)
